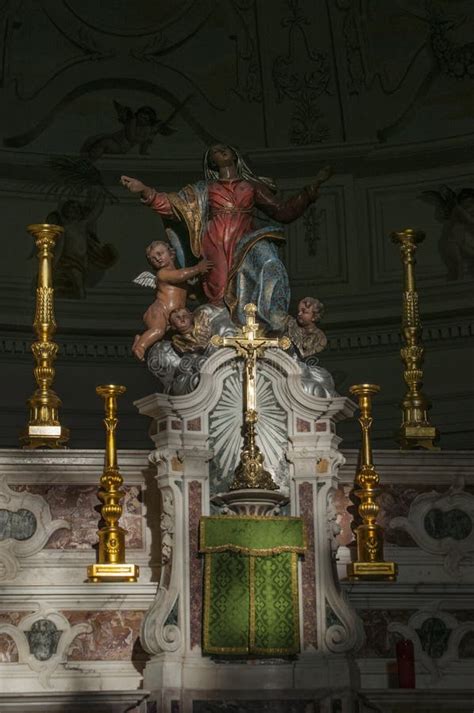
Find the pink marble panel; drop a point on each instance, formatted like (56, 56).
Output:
(321, 426)
(114, 637)
(194, 424)
(13, 617)
(308, 568)
(78, 505)
(195, 564)
(379, 642)
(302, 426)
(8, 649)
(394, 501)
(175, 425)
(344, 517)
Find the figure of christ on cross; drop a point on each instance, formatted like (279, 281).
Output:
(250, 344)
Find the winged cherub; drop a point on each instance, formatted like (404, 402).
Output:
(192, 331)
(455, 210)
(307, 338)
(171, 292)
(139, 129)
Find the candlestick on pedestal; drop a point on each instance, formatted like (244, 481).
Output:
(416, 430)
(369, 536)
(111, 563)
(44, 429)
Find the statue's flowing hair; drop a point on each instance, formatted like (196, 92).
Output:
(243, 169)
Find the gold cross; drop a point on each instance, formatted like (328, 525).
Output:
(250, 344)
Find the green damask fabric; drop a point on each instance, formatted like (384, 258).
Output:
(251, 585)
(274, 623)
(252, 534)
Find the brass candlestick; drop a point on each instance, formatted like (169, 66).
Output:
(369, 536)
(44, 429)
(111, 556)
(416, 430)
(250, 343)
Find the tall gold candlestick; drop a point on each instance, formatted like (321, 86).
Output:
(369, 536)
(416, 430)
(44, 429)
(111, 555)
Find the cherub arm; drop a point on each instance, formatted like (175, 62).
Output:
(177, 276)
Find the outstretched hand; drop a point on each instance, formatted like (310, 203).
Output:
(323, 175)
(132, 184)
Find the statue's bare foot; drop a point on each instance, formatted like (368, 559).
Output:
(138, 349)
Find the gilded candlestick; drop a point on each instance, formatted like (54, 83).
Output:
(369, 536)
(416, 430)
(111, 565)
(250, 343)
(44, 429)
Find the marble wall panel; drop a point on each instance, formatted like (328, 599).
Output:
(114, 636)
(379, 643)
(8, 649)
(195, 562)
(308, 568)
(79, 505)
(394, 501)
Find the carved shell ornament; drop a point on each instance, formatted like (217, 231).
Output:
(226, 423)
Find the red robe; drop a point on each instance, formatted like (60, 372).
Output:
(232, 203)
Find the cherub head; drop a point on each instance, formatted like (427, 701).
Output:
(181, 320)
(310, 311)
(160, 254)
(146, 116)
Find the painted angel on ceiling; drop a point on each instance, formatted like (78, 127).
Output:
(139, 129)
(455, 210)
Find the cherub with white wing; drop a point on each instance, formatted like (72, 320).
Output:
(171, 292)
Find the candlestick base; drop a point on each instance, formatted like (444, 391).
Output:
(418, 437)
(372, 571)
(44, 436)
(113, 572)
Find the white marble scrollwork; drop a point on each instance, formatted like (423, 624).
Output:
(158, 633)
(458, 550)
(347, 632)
(13, 551)
(47, 664)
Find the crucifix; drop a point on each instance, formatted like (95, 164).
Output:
(250, 344)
